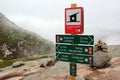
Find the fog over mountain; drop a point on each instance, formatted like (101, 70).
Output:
(16, 42)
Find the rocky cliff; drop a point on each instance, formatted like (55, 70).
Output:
(17, 43)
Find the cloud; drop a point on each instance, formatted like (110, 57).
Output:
(44, 27)
(46, 17)
(113, 40)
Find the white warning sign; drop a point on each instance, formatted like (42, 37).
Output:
(73, 17)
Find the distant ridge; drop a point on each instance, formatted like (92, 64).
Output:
(16, 42)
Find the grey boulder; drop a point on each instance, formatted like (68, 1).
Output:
(18, 64)
(101, 59)
(46, 62)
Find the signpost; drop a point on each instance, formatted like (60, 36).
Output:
(75, 39)
(74, 48)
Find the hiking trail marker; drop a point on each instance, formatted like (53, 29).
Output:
(82, 59)
(74, 20)
(75, 39)
(74, 48)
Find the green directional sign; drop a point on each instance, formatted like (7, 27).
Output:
(75, 39)
(73, 69)
(77, 49)
(83, 59)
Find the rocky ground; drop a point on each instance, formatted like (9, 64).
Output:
(44, 70)
(32, 71)
(21, 70)
(61, 72)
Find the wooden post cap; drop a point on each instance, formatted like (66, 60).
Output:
(73, 5)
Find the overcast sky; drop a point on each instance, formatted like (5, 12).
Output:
(46, 17)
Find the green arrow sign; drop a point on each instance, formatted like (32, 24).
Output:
(74, 49)
(75, 39)
(83, 59)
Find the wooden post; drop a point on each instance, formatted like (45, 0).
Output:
(73, 6)
(73, 78)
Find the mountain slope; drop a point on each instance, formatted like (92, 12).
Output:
(17, 43)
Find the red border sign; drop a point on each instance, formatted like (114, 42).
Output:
(74, 20)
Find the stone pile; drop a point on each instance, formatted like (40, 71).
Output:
(101, 46)
(100, 57)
